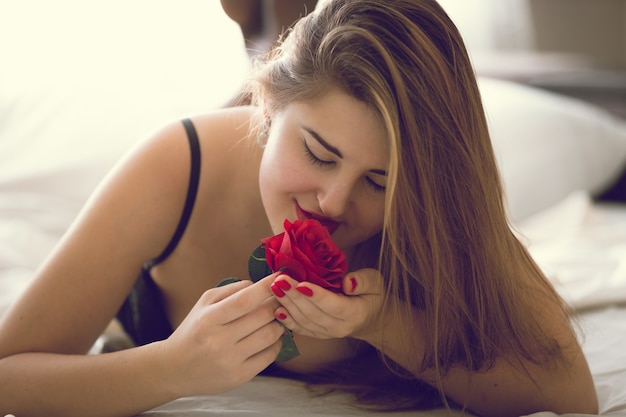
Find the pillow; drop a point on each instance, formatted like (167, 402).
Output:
(549, 145)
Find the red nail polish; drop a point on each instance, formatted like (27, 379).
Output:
(282, 284)
(305, 291)
(353, 284)
(277, 291)
(281, 316)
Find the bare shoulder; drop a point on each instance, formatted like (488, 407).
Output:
(159, 168)
(230, 159)
(129, 219)
(150, 185)
(225, 140)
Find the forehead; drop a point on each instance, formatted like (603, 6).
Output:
(343, 120)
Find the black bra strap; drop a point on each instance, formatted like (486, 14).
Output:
(192, 191)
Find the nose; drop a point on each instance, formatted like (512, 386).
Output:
(334, 198)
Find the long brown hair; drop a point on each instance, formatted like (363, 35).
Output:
(447, 247)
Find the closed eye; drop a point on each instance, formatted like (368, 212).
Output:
(375, 186)
(314, 158)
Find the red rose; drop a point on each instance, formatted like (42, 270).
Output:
(307, 253)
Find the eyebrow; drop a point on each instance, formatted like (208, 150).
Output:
(330, 148)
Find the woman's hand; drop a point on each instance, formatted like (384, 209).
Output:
(228, 337)
(310, 310)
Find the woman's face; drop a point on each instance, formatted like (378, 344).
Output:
(327, 159)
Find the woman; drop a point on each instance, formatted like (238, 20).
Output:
(370, 120)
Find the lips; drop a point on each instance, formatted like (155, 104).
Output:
(330, 224)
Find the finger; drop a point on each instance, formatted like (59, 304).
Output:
(313, 322)
(260, 339)
(246, 299)
(282, 315)
(307, 328)
(248, 324)
(311, 300)
(363, 281)
(215, 295)
(286, 291)
(262, 359)
(308, 307)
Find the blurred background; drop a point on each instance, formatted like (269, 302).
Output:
(156, 49)
(81, 81)
(111, 72)
(575, 47)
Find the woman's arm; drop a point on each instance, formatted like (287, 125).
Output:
(506, 390)
(77, 291)
(116, 384)
(501, 391)
(44, 336)
(228, 338)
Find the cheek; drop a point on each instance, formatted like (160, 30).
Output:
(282, 171)
(366, 220)
(372, 215)
(375, 219)
(280, 179)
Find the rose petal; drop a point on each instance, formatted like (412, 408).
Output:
(308, 253)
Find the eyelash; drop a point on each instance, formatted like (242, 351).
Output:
(326, 164)
(374, 186)
(314, 159)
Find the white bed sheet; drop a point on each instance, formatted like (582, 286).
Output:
(582, 248)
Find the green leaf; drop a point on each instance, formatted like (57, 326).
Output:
(289, 349)
(257, 265)
(226, 281)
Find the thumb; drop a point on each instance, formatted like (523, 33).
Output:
(363, 281)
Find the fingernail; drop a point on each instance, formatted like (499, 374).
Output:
(305, 291)
(281, 316)
(352, 284)
(282, 284)
(277, 291)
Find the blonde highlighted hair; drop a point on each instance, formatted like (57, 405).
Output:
(447, 248)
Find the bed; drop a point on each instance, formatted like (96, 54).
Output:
(77, 93)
